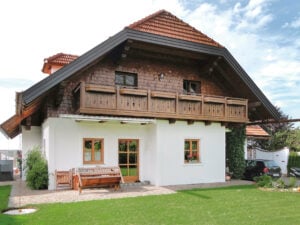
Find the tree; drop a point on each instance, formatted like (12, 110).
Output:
(279, 133)
(293, 140)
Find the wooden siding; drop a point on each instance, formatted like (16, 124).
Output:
(110, 100)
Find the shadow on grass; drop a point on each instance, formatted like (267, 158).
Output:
(199, 192)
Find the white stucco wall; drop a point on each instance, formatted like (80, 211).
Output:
(161, 148)
(170, 144)
(30, 139)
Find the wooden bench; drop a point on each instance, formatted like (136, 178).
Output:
(98, 176)
(63, 178)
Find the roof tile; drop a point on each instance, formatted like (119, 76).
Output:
(165, 24)
(256, 131)
(60, 59)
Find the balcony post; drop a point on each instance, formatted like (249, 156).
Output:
(149, 100)
(117, 97)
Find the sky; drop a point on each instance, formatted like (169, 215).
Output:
(262, 35)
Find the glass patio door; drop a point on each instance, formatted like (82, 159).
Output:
(129, 159)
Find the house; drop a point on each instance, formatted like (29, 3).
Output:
(155, 99)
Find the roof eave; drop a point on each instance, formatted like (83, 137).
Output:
(45, 85)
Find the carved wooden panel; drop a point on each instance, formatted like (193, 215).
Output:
(214, 109)
(100, 100)
(190, 107)
(163, 105)
(236, 111)
(130, 102)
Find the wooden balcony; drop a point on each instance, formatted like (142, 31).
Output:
(110, 100)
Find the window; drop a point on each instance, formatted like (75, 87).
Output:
(126, 79)
(191, 87)
(93, 151)
(191, 151)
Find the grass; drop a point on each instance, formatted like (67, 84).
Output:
(4, 195)
(230, 205)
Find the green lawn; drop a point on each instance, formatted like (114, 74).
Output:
(4, 195)
(231, 205)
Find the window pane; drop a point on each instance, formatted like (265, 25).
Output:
(187, 155)
(185, 86)
(124, 170)
(97, 150)
(186, 145)
(133, 170)
(132, 158)
(119, 79)
(122, 158)
(133, 146)
(130, 80)
(122, 146)
(88, 150)
(194, 145)
(191, 87)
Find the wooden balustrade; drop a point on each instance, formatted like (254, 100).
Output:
(108, 100)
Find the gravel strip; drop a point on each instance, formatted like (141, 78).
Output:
(22, 196)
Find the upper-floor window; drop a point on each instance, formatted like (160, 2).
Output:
(93, 151)
(126, 79)
(191, 87)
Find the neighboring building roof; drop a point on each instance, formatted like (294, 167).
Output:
(33, 96)
(165, 24)
(60, 59)
(256, 131)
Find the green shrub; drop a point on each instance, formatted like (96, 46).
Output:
(293, 161)
(279, 184)
(263, 181)
(36, 170)
(292, 182)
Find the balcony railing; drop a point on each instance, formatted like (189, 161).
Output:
(110, 100)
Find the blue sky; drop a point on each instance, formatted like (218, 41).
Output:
(263, 36)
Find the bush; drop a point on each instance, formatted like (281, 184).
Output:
(279, 184)
(292, 182)
(263, 181)
(294, 160)
(36, 170)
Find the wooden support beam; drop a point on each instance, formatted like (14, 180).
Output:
(207, 123)
(253, 105)
(190, 122)
(274, 121)
(224, 124)
(172, 121)
(28, 123)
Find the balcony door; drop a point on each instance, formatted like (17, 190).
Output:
(129, 159)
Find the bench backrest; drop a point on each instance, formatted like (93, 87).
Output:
(83, 172)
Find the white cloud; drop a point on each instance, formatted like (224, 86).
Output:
(294, 24)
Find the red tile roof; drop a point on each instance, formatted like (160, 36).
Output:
(165, 24)
(256, 131)
(58, 60)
